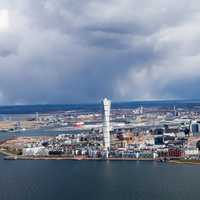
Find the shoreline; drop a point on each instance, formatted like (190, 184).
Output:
(10, 156)
(15, 157)
(185, 162)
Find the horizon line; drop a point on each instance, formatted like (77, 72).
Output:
(98, 102)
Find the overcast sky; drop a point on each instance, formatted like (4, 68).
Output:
(71, 51)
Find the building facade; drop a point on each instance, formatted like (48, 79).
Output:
(106, 123)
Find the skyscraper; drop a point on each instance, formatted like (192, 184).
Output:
(106, 123)
(195, 128)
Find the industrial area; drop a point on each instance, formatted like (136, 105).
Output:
(111, 134)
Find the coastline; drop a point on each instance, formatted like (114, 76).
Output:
(14, 157)
(10, 156)
(185, 162)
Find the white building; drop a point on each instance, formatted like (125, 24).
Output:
(106, 123)
(35, 151)
(191, 152)
(180, 134)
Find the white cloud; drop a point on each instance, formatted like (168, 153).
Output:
(4, 20)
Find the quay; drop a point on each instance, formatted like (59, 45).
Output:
(16, 157)
(172, 161)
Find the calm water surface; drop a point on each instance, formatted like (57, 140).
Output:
(97, 180)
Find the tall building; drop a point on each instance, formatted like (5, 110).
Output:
(141, 110)
(175, 112)
(195, 128)
(106, 123)
(37, 116)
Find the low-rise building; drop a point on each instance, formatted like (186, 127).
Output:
(192, 151)
(35, 151)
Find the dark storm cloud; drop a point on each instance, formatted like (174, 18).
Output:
(80, 51)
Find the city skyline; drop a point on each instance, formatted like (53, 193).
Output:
(99, 99)
(73, 52)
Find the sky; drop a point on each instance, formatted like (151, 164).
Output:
(79, 51)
